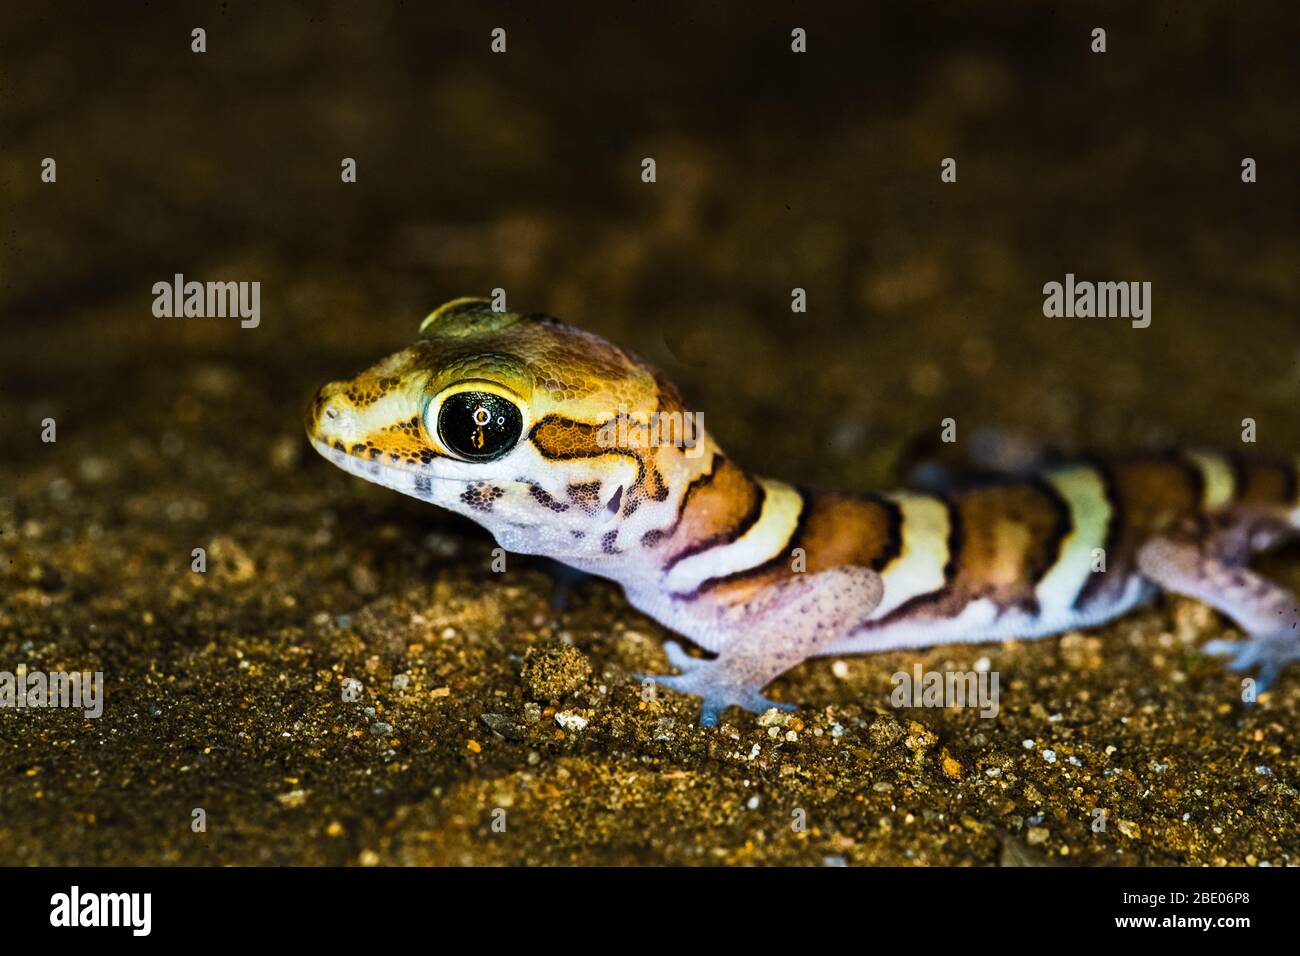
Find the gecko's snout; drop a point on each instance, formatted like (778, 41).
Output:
(329, 419)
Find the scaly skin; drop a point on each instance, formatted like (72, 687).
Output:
(560, 462)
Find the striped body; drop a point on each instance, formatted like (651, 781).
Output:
(1002, 560)
(552, 439)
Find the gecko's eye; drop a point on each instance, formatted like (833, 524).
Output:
(479, 426)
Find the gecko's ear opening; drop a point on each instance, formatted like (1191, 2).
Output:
(469, 315)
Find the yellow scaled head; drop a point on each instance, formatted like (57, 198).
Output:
(547, 435)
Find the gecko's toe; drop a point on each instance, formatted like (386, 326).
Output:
(1265, 676)
(678, 658)
(712, 707)
(1221, 647)
(716, 686)
(1264, 655)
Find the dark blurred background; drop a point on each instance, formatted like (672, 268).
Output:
(775, 170)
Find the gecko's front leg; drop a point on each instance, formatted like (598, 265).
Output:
(787, 623)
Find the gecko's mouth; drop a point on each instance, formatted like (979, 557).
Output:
(416, 480)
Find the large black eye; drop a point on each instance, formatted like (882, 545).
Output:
(479, 426)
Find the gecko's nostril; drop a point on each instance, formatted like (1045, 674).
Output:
(324, 417)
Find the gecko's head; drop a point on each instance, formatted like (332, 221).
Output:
(538, 431)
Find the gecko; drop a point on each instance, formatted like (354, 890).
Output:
(550, 437)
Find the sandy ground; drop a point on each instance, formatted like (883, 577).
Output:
(489, 727)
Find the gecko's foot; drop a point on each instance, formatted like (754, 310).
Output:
(1266, 611)
(1265, 655)
(716, 685)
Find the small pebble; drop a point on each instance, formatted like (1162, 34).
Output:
(1129, 829)
(570, 721)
